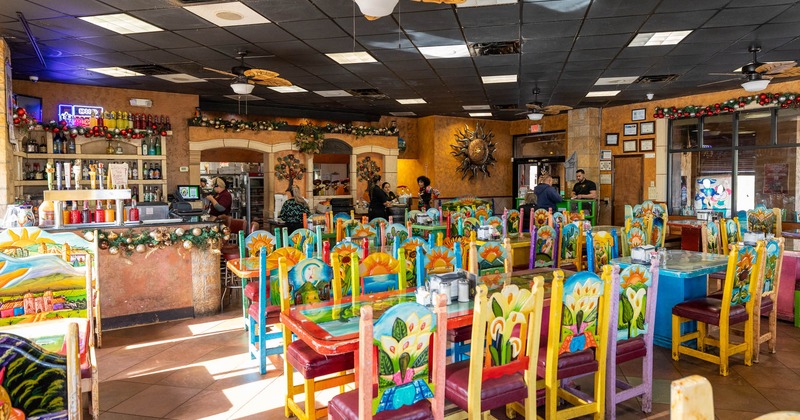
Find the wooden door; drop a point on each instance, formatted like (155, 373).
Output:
(627, 185)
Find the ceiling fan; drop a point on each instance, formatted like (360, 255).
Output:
(756, 75)
(536, 110)
(243, 78)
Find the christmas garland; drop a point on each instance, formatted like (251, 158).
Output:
(237, 125)
(362, 130)
(162, 237)
(23, 121)
(309, 138)
(784, 100)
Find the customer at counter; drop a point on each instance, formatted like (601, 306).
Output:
(220, 201)
(546, 196)
(378, 200)
(293, 209)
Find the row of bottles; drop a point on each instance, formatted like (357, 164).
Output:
(125, 120)
(151, 146)
(73, 214)
(33, 146)
(86, 171)
(64, 144)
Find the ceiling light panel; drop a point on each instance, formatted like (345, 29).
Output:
(352, 57)
(121, 23)
(180, 78)
(615, 80)
(602, 93)
(228, 14)
(480, 114)
(413, 101)
(505, 78)
(445, 51)
(476, 107)
(652, 39)
(115, 71)
(332, 93)
(288, 89)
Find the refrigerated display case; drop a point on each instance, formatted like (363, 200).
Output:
(255, 199)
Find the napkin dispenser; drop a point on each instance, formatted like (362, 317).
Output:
(424, 219)
(641, 254)
(750, 238)
(448, 282)
(487, 233)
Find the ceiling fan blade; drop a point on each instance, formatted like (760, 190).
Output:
(555, 109)
(724, 74)
(274, 81)
(216, 78)
(717, 82)
(792, 72)
(219, 71)
(775, 67)
(260, 74)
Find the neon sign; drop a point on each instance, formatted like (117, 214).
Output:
(78, 115)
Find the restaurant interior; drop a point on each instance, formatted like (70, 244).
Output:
(509, 208)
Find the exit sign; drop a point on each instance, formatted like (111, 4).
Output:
(536, 128)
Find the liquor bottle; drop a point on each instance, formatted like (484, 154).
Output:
(85, 173)
(119, 150)
(135, 171)
(99, 214)
(122, 119)
(149, 123)
(111, 120)
(169, 126)
(134, 192)
(151, 150)
(93, 119)
(86, 216)
(144, 147)
(145, 172)
(64, 143)
(43, 145)
(151, 172)
(158, 145)
(157, 172)
(100, 121)
(71, 145)
(75, 214)
(56, 143)
(130, 120)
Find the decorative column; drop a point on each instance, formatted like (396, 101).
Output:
(584, 139)
(269, 183)
(354, 177)
(6, 148)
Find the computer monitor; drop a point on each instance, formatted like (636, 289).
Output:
(188, 192)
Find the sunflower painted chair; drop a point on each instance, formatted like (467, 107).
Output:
(401, 365)
(577, 345)
(745, 263)
(342, 257)
(380, 272)
(730, 234)
(504, 347)
(265, 307)
(600, 249)
(542, 217)
(513, 224)
(570, 246)
(711, 243)
(252, 246)
(631, 332)
(309, 281)
(762, 219)
(544, 247)
(439, 259)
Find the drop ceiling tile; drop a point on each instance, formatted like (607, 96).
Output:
(163, 39)
(313, 29)
(540, 30)
(536, 46)
(747, 3)
(421, 74)
(287, 11)
(80, 7)
(210, 36)
(384, 42)
(173, 19)
(791, 14)
(492, 33)
(408, 65)
(612, 8)
(590, 55)
(457, 72)
(488, 16)
(310, 60)
(118, 43)
(265, 32)
(775, 30)
(72, 27)
(338, 8)
(549, 11)
(404, 54)
(287, 48)
(333, 45)
(613, 25)
(31, 10)
(683, 49)
(198, 53)
(157, 56)
(717, 35)
(436, 38)
(429, 21)
(116, 59)
(677, 21)
(633, 53)
(452, 63)
(547, 58)
(385, 25)
(140, 4)
(590, 65)
(744, 16)
(604, 41)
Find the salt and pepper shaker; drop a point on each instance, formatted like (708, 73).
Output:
(463, 290)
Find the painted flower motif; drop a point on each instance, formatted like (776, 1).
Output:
(379, 263)
(635, 238)
(540, 217)
(510, 307)
(491, 252)
(345, 249)
(746, 258)
(584, 298)
(636, 298)
(259, 241)
(439, 261)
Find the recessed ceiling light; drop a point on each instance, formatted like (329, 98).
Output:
(476, 107)
(115, 71)
(615, 80)
(477, 3)
(601, 93)
(412, 101)
(332, 93)
(352, 57)
(505, 78)
(651, 39)
(480, 114)
(403, 114)
(445, 51)
(180, 78)
(121, 23)
(244, 97)
(228, 14)
(288, 89)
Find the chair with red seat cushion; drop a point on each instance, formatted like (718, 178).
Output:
(745, 263)
(310, 280)
(504, 347)
(406, 349)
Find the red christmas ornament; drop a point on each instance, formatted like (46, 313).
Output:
(16, 121)
(56, 130)
(163, 133)
(20, 111)
(109, 136)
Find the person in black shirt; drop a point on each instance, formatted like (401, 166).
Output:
(583, 189)
(378, 200)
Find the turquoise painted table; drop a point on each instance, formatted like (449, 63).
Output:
(683, 277)
(425, 230)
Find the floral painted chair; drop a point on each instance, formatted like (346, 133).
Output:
(504, 348)
(376, 223)
(342, 255)
(570, 247)
(600, 248)
(745, 263)
(512, 222)
(401, 371)
(544, 247)
(767, 297)
(657, 231)
(762, 219)
(560, 219)
(482, 211)
(309, 281)
(731, 234)
(396, 230)
(640, 235)
(577, 345)
(542, 217)
(633, 311)
(470, 225)
(301, 238)
(711, 238)
(380, 272)
(410, 247)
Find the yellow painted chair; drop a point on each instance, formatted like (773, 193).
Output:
(310, 280)
(578, 344)
(735, 307)
(504, 348)
(767, 297)
(762, 219)
(730, 233)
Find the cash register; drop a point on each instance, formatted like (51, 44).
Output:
(188, 201)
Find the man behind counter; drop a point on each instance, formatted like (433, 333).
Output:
(221, 201)
(583, 189)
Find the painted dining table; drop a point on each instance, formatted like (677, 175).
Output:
(332, 328)
(682, 277)
(425, 230)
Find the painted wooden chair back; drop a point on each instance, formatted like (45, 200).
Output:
(492, 258)
(309, 281)
(560, 219)
(301, 238)
(380, 272)
(762, 219)
(711, 238)
(376, 223)
(439, 259)
(570, 247)
(471, 224)
(600, 250)
(341, 260)
(293, 256)
(412, 215)
(731, 234)
(362, 230)
(462, 242)
(396, 230)
(467, 211)
(495, 222)
(409, 341)
(740, 283)
(657, 231)
(257, 240)
(545, 246)
(482, 211)
(434, 214)
(512, 221)
(691, 398)
(410, 247)
(773, 262)
(634, 237)
(506, 328)
(542, 217)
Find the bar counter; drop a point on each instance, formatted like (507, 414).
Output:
(159, 284)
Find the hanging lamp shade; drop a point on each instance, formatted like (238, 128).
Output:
(374, 9)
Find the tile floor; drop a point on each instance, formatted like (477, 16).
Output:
(199, 369)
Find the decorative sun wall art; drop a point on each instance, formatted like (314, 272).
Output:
(474, 150)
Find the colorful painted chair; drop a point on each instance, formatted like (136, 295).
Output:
(600, 248)
(577, 345)
(691, 398)
(401, 365)
(300, 238)
(542, 217)
(309, 281)
(410, 247)
(570, 247)
(470, 225)
(657, 231)
(504, 349)
(376, 223)
(762, 219)
(731, 234)
(439, 259)
(631, 332)
(380, 272)
(767, 297)
(512, 221)
(342, 254)
(362, 230)
(396, 230)
(711, 238)
(560, 219)
(735, 307)
(544, 247)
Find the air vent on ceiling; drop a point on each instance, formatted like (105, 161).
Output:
(656, 78)
(494, 48)
(368, 93)
(150, 69)
(505, 107)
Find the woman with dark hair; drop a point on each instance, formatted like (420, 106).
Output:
(387, 188)
(378, 200)
(426, 192)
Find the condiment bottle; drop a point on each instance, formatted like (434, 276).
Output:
(86, 216)
(110, 213)
(133, 213)
(100, 214)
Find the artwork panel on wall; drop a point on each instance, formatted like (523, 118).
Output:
(630, 129)
(630, 146)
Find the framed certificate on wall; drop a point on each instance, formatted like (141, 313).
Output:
(630, 146)
(630, 129)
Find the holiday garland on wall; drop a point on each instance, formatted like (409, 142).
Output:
(309, 139)
(129, 241)
(305, 129)
(784, 100)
